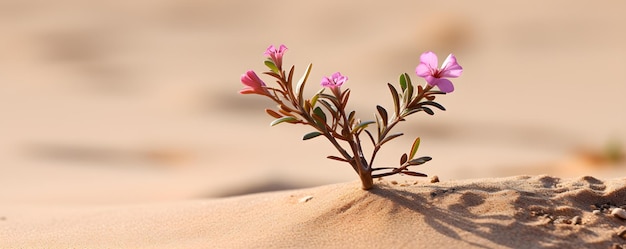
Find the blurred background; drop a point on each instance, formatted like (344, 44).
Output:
(106, 102)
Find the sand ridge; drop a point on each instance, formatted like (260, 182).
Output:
(513, 212)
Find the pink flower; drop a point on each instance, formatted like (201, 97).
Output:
(335, 80)
(434, 76)
(276, 55)
(253, 84)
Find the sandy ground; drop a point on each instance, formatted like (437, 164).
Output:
(515, 212)
(112, 107)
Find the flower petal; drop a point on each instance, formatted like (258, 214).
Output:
(247, 90)
(430, 59)
(450, 68)
(245, 79)
(445, 85)
(282, 48)
(430, 80)
(326, 82)
(270, 50)
(335, 80)
(255, 78)
(423, 70)
(341, 80)
(253, 84)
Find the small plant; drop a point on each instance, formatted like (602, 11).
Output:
(326, 112)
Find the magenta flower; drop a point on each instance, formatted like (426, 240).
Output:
(253, 84)
(276, 55)
(434, 76)
(335, 80)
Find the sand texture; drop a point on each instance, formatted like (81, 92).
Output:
(514, 212)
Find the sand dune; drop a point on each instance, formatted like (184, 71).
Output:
(514, 212)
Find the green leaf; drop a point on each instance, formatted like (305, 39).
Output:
(270, 64)
(283, 119)
(311, 135)
(412, 111)
(408, 91)
(420, 160)
(403, 81)
(320, 113)
(414, 148)
(316, 96)
(351, 117)
(301, 82)
(435, 104)
(390, 137)
(409, 84)
(383, 114)
(428, 110)
(408, 80)
(362, 125)
(328, 106)
(396, 99)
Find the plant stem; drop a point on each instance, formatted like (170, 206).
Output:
(358, 162)
(383, 135)
(367, 182)
(395, 121)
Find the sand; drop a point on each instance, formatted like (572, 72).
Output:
(513, 212)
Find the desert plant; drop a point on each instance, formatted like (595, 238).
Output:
(326, 112)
